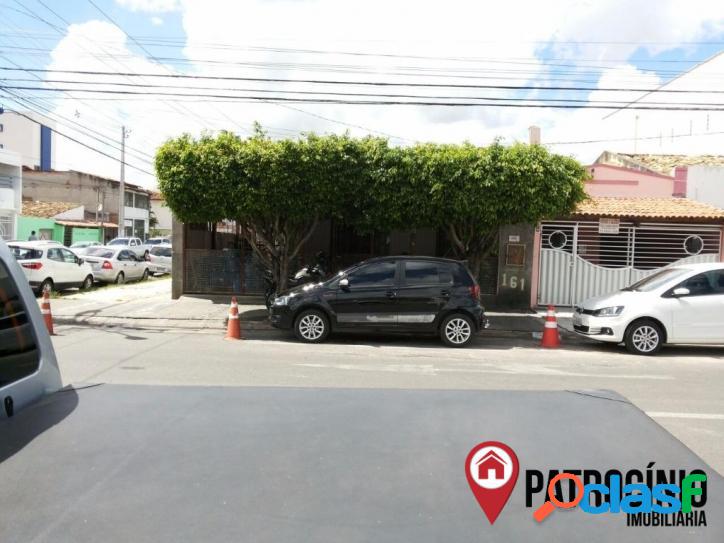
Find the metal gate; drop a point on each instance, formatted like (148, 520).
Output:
(579, 260)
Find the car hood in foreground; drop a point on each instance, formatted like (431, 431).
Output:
(616, 298)
(117, 463)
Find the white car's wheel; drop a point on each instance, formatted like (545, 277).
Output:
(644, 337)
(87, 283)
(120, 278)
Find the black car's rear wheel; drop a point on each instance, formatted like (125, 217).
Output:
(311, 326)
(457, 330)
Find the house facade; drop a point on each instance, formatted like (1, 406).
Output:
(64, 222)
(100, 197)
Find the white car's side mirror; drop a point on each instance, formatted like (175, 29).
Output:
(681, 291)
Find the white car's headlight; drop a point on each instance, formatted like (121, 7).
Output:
(608, 311)
(283, 300)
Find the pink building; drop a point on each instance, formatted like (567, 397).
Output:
(618, 181)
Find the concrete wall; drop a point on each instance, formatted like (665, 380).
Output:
(706, 184)
(27, 224)
(617, 181)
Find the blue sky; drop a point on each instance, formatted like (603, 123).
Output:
(510, 43)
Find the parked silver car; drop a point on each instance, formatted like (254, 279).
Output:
(80, 247)
(116, 265)
(160, 258)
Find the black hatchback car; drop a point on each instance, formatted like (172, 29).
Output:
(391, 294)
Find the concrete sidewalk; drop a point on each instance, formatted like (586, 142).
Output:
(148, 306)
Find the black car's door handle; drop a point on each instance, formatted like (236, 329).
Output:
(391, 293)
(445, 293)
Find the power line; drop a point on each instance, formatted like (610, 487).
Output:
(330, 93)
(363, 83)
(644, 138)
(505, 102)
(71, 138)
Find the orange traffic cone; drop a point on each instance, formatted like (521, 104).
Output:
(551, 339)
(233, 328)
(45, 310)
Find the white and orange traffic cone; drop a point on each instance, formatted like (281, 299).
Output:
(45, 310)
(233, 328)
(551, 339)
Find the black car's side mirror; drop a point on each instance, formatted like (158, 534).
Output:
(344, 283)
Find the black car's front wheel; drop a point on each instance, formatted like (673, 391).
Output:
(457, 330)
(311, 326)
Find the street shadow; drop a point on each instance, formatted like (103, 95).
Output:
(18, 431)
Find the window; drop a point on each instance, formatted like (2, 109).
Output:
(68, 257)
(55, 254)
(379, 274)
(99, 251)
(707, 283)
(421, 273)
(161, 251)
(128, 199)
(24, 253)
(141, 201)
(19, 355)
(2, 128)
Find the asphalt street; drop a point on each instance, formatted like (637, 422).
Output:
(681, 388)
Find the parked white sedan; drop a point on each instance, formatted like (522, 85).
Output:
(680, 304)
(49, 265)
(160, 258)
(116, 265)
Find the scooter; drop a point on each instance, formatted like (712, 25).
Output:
(311, 273)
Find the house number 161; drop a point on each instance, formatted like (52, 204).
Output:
(514, 282)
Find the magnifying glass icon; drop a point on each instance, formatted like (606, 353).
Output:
(547, 508)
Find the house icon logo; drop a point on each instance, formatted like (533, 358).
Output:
(491, 467)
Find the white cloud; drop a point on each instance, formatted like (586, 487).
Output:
(156, 21)
(506, 39)
(150, 6)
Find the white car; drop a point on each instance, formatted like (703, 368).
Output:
(80, 247)
(116, 265)
(49, 265)
(158, 241)
(160, 258)
(134, 244)
(679, 304)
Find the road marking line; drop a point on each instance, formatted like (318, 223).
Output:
(668, 415)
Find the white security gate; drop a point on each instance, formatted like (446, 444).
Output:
(579, 260)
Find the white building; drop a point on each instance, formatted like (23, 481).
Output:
(34, 141)
(11, 190)
(163, 215)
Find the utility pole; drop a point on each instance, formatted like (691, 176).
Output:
(121, 218)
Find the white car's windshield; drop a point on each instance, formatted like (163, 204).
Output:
(656, 280)
(119, 241)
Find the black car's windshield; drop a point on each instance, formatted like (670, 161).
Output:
(655, 280)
